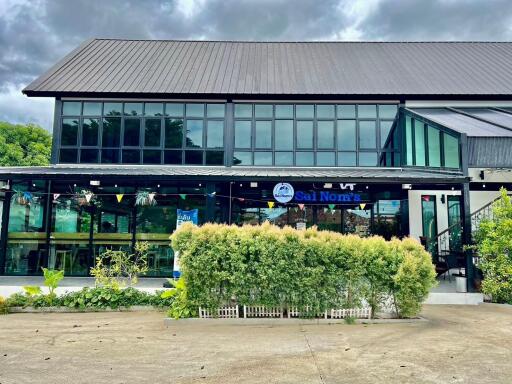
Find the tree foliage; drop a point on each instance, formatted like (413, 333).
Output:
(311, 270)
(24, 145)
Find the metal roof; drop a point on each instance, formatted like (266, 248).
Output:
(475, 122)
(388, 175)
(171, 67)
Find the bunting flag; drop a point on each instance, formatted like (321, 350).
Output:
(326, 209)
(301, 207)
(295, 209)
(183, 196)
(270, 204)
(362, 205)
(119, 197)
(212, 194)
(332, 206)
(88, 197)
(240, 199)
(151, 197)
(56, 196)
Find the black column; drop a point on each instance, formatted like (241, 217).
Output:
(466, 236)
(210, 202)
(4, 230)
(48, 222)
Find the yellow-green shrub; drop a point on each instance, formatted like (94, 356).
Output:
(312, 270)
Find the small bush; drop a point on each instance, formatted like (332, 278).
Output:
(3, 305)
(311, 270)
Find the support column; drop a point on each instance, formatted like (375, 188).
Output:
(210, 202)
(4, 230)
(466, 236)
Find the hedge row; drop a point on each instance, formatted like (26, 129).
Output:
(312, 270)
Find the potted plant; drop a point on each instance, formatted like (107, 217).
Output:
(145, 198)
(23, 198)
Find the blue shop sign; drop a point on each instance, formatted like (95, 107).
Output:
(328, 197)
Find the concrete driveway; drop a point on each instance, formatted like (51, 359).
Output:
(459, 344)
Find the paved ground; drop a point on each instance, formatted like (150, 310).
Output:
(459, 344)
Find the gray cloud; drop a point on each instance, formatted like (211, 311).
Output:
(34, 34)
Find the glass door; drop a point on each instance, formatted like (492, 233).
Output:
(429, 221)
(454, 223)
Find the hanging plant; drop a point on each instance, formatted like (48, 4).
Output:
(145, 198)
(24, 198)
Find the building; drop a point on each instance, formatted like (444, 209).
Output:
(393, 139)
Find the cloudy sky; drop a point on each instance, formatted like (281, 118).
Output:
(34, 34)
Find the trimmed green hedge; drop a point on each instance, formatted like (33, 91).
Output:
(312, 270)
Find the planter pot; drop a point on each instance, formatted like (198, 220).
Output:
(461, 284)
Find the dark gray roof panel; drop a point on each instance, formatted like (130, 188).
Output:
(492, 152)
(491, 115)
(317, 173)
(170, 67)
(462, 123)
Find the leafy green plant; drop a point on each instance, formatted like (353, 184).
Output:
(32, 290)
(116, 268)
(52, 279)
(3, 305)
(180, 307)
(145, 198)
(494, 245)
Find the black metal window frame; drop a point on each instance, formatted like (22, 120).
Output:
(123, 116)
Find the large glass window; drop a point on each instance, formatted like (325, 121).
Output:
(367, 135)
(325, 134)
(173, 133)
(242, 134)
(263, 134)
(69, 134)
(434, 147)
(451, 151)
(419, 142)
(284, 134)
(429, 219)
(71, 108)
(90, 129)
(111, 132)
(215, 134)
(347, 135)
(195, 133)
(131, 132)
(304, 134)
(408, 141)
(152, 132)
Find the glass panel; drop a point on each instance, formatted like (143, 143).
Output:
(388, 111)
(131, 156)
(386, 218)
(160, 218)
(357, 221)
(242, 158)
(434, 150)
(243, 110)
(195, 110)
(385, 129)
(305, 111)
(173, 133)
(242, 134)
(346, 111)
(89, 156)
(194, 157)
(215, 134)
(262, 158)
(347, 159)
(151, 156)
(92, 109)
(214, 158)
(451, 151)
(283, 134)
(419, 142)
(215, 110)
(70, 108)
(69, 134)
(325, 111)
(284, 158)
(172, 157)
(112, 109)
(154, 109)
(367, 111)
(367, 135)
(347, 135)
(263, 110)
(408, 140)
(174, 109)
(68, 155)
(305, 134)
(284, 111)
(131, 132)
(109, 156)
(133, 109)
(367, 159)
(90, 129)
(325, 134)
(111, 132)
(305, 159)
(325, 159)
(429, 219)
(328, 220)
(152, 132)
(263, 134)
(194, 133)
(454, 219)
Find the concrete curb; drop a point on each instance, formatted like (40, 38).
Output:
(135, 308)
(276, 322)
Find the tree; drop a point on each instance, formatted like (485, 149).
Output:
(24, 145)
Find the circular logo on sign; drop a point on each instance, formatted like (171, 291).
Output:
(283, 192)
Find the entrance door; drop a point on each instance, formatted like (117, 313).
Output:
(454, 223)
(429, 218)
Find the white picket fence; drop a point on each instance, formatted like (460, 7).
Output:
(262, 311)
(357, 313)
(226, 312)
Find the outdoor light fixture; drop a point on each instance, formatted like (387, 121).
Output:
(327, 185)
(483, 185)
(94, 182)
(406, 186)
(443, 199)
(367, 187)
(254, 184)
(482, 175)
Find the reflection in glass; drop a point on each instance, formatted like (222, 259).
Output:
(194, 157)
(173, 157)
(325, 132)
(347, 159)
(451, 151)
(173, 133)
(367, 111)
(214, 157)
(215, 110)
(194, 133)
(347, 135)
(92, 109)
(70, 108)
(243, 110)
(111, 132)
(90, 129)
(284, 134)
(215, 134)
(154, 109)
(262, 158)
(263, 110)
(174, 109)
(367, 159)
(110, 156)
(408, 141)
(385, 129)
(325, 159)
(367, 135)
(346, 111)
(284, 158)
(131, 156)
(89, 156)
(69, 134)
(68, 155)
(242, 134)
(195, 110)
(304, 134)
(133, 109)
(151, 156)
(263, 134)
(152, 132)
(434, 150)
(419, 142)
(131, 132)
(305, 159)
(325, 111)
(112, 109)
(284, 111)
(242, 158)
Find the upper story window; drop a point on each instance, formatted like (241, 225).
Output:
(429, 146)
(315, 134)
(147, 133)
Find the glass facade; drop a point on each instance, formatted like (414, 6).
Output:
(137, 132)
